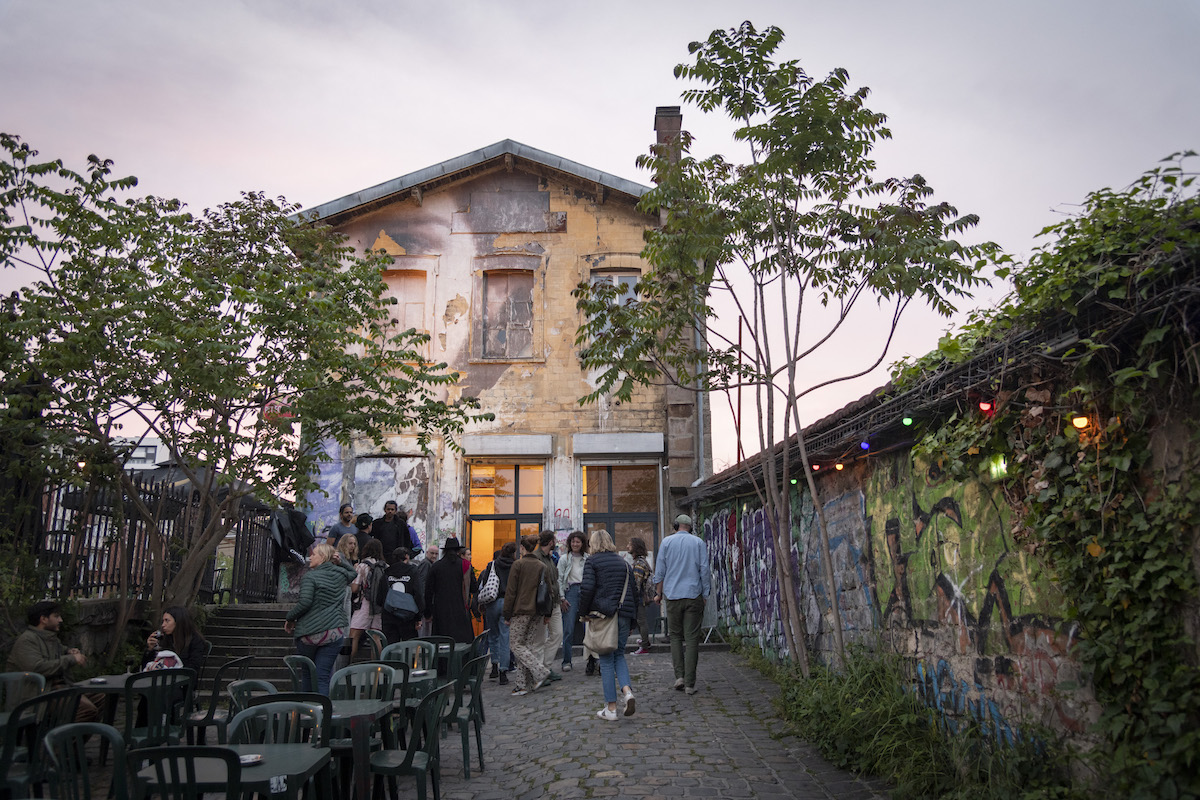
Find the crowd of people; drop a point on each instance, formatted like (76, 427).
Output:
(529, 605)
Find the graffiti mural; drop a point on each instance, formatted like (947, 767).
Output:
(745, 588)
(926, 565)
(849, 547)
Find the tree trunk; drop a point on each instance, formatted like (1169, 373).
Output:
(826, 555)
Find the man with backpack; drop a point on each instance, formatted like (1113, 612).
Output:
(398, 621)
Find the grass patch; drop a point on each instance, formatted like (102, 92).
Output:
(863, 719)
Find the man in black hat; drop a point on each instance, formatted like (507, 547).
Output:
(448, 592)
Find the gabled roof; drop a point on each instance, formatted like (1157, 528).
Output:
(507, 152)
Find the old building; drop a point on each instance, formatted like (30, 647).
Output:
(486, 250)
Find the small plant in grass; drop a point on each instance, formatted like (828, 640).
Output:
(864, 719)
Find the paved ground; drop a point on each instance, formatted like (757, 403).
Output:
(724, 741)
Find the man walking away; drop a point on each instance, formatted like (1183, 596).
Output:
(682, 577)
(397, 628)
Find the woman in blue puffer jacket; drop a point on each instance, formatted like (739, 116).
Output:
(608, 588)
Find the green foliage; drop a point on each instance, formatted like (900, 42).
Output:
(865, 719)
(1114, 507)
(22, 583)
(806, 220)
(242, 337)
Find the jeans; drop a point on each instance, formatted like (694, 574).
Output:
(614, 672)
(568, 623)
(683, 621)
(493, 615)
(323, 656)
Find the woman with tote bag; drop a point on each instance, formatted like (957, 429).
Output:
(608, 589)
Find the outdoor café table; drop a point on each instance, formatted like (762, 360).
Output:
(360, 715)
(284, 768)
(450, 661)
(421, 682)
(106, 685)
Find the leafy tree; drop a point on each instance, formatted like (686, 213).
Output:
(1103, 444)
(803, 225)
(145, 317)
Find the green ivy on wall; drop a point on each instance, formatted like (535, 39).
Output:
(1101, 439)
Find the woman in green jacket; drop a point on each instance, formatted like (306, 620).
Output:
(318, 621)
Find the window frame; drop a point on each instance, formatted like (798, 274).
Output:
(507, 264)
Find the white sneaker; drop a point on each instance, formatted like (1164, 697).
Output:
(607, 714)
(629, 704)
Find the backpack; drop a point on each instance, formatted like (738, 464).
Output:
(375, 587)
(400, 603)
(490, 589)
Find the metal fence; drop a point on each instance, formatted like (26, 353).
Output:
(96, 545)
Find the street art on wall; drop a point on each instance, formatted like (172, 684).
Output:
(923, 564)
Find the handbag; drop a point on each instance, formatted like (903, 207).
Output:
(491, 587)
(601, 634)
(543, 598)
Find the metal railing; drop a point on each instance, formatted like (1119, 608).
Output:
(97, 546)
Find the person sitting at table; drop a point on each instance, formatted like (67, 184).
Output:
(178, 634)
(39, 650)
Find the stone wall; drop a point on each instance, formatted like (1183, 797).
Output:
(925, 566)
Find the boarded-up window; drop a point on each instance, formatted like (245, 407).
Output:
(408, 288)
(507, 314)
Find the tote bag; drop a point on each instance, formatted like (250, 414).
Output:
(602, 633)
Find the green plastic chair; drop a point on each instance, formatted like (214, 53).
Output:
(240, 693)
(16, 687)
(165, 697)
(27, 726)
(362, 682)
(417, 653)
(479, 645)
(171, 772)
(422, 755)
(467, 709)
(72, 779)
(301, 668)
(376, 641)
(211, 713)
(320, 737)
(279, 722)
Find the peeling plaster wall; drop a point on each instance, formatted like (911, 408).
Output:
(925, 566)
(563, 230)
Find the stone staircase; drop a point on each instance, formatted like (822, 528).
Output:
(250, 630)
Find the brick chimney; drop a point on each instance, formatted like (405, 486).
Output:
(668, 121)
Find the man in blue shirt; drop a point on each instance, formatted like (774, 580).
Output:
(682, 578)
